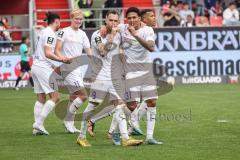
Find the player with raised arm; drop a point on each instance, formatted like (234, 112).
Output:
(43, 70)
(138, 67)
(108, 80)
(71, 42)
(148, 18)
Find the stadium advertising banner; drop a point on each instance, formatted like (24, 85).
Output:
(9, 70)
(199, 55)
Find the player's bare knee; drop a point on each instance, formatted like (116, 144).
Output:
(83, 98)
(55, 97)
(41, 98)
(151, 103)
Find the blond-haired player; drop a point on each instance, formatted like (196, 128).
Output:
(71, 42)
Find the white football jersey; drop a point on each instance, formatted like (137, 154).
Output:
(135, 53)
(46, 37)
(73, 41)
(111, 64)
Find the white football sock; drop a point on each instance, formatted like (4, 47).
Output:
(121, 120)
(113, 126)
(138, 113)
(69, 116)
(47, 108)
(37, 110)
(75, 105)
(105, 112)
(90, 107)
(127, 112)
(151, 119)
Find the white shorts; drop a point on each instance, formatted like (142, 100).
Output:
(44, 79)
(140, 88)
(100, 89)
(74, 80)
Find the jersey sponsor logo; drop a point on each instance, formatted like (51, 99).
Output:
(98, 40)
(60, 34)
(50, 40)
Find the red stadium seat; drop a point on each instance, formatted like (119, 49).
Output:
(216, 21)
(53, 4)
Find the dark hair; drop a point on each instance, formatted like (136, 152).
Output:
(133, 9)
(143, 12)
(24, 39)
(112, 12)
(172, 4)
(50, 17)
(232, 3)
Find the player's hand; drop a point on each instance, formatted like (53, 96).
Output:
(114, 31)
(132, 31)
(67, 60)
(103, 31)
(57, 70)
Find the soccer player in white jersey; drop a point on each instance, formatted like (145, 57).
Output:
(71, 42)
(137, 66)
(43, 70)
(148, 18)
(108, 79)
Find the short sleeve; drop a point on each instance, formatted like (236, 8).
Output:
(86, 43)
(95, 39)
(49, 40)
(150, 36)
(61, 35)
(23, 49)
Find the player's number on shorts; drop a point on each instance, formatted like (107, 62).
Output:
(94, 95)
(128, 95)
(77, 84)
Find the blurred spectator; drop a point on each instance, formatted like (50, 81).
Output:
(210, 3)
(165, 7)
(226, 3)
(88, 13)
(189, 2)
(5, 39)
(111, 4)
(5, 22)
(185, 12)
(189, 22)
(171, 17)
(163, 2)
(216, 10)
(231, 15)
(202, 21)
(200, 8)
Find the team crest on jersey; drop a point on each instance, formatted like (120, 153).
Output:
(60, 34)
(50, 40)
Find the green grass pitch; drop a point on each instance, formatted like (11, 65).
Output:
(186, 122)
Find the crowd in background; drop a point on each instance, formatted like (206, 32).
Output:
(200, 12)
(5, 38)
